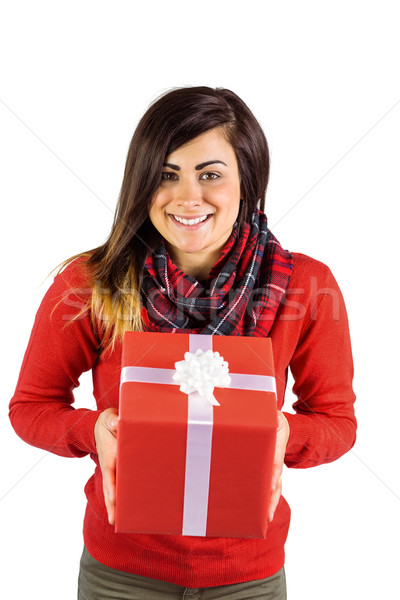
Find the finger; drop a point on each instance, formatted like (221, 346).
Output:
(277, 470)
(274, 500)
(109, 492)
(276, 474)
(280, 449)
(110, 507)
(112, 422)
(111, 515)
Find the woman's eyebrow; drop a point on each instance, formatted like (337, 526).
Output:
(197, 167)
(209, 162)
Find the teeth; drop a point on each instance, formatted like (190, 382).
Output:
(190, 221)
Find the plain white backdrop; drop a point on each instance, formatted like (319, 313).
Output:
(322, 78)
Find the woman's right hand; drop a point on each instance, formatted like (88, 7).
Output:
(105, 435)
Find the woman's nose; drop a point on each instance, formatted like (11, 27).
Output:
(188, 193)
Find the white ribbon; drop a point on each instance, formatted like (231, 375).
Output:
(198, 453)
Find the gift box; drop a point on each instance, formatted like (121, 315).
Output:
(184, 465)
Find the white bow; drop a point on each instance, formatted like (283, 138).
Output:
(201, 372)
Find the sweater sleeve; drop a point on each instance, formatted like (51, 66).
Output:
(324, 426)
(61, 347)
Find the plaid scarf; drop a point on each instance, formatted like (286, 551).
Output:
(240, 297)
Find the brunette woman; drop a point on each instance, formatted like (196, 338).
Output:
(189, 251)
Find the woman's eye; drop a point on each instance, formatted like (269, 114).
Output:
(169, 176)
(209, 176)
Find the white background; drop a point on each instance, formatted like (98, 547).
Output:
(323, 79)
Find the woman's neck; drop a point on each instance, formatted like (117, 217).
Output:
(195, 265)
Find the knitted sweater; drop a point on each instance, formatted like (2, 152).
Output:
(310, 336)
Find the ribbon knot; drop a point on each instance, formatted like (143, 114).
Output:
(201, 372)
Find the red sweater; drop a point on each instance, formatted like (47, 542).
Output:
(310, 335)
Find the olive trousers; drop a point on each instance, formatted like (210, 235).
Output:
(98, 582)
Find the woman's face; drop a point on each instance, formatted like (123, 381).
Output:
(198, 201)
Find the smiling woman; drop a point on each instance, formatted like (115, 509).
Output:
(189, 252)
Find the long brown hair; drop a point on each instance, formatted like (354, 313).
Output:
(174, 119)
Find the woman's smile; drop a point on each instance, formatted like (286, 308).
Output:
(190, 222)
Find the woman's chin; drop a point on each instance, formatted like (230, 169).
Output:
(188, 250)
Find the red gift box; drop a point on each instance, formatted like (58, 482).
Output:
(185, 467)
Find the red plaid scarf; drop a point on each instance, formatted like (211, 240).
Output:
(241, 296)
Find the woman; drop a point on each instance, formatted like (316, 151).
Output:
(189, 251)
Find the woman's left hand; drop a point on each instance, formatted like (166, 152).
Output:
(282, 437)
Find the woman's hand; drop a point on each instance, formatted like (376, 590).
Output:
(282, 437)
(105, 435)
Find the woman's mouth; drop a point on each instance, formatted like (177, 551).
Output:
(190, 222)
